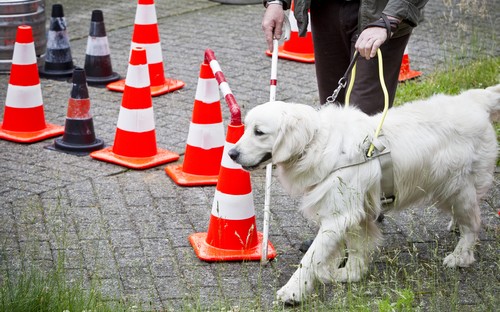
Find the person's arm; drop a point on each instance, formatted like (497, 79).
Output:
(375, 34)
(410, 10)
(272, 22)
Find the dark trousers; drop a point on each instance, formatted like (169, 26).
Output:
(334, 31)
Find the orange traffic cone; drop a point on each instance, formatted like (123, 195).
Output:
(300, 49)
(79, 136)
(24, 117)
(146, 35)
(405, 73)
(232, 232)
(135, 138)
(205, 141)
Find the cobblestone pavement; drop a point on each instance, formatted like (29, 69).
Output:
(125, 231)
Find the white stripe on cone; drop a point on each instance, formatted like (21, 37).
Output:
(206, 136)
(223, 206)
(226, 161)
(24, 96)
(55, 40)
(136, 120)
(137, 76)
(145, 14)
(153, 51)
(97, 46)
(24, 54)
(207, 91)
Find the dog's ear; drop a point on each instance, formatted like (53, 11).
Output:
(298, 126)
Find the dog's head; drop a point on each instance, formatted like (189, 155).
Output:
(275, 131)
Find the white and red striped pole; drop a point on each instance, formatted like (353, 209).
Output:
(234, 109)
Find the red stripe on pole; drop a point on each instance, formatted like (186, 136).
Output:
(273, 82)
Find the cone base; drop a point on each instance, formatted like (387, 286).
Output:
(409, 75)
(102, 81)
(31, 136)
(206, 252)
(188, 179)
(170, 85)
(55, 74)
(293, 56)
(161, 157)
(79, 150)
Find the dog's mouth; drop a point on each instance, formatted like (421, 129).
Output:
(263, 160)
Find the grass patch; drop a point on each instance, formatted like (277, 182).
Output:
(34, 290)
(476, 75)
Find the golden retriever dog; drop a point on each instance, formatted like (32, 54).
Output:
(443, 152)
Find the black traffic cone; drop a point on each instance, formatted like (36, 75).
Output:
(97, 59)
(58, 59)
(79, 136)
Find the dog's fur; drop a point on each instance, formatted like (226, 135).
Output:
(443, 150)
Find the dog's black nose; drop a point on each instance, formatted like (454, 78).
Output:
(233, 153)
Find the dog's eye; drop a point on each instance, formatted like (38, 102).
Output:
(258, 132)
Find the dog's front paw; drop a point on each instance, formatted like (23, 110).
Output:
(293, 292)
(459, 260)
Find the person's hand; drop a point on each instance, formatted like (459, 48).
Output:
(272, 23)
(370, 40)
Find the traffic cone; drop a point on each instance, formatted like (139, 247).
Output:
(232, 233)
(300, 49)
(97, 58)
(24, 117)
(146, 35)
(79, 136)
(405, 73)
(135, 138)
(205, 141)
(58, 59)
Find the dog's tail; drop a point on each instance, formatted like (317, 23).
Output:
(494, 104)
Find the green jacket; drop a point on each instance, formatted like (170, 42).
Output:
(409, 11)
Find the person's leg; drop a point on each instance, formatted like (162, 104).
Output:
(333, 23)
(367, 92)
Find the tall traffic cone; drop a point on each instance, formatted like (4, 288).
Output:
(58, 59)
(135, 138)
(232, 232)
(24, 117)
(205, 141)
(300, 49)
(405, 73)
(97, 58)
(146, 35)
(79, 136)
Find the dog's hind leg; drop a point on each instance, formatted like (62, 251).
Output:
(361, 241)
(467, 216)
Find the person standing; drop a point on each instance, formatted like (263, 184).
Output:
(338, 28)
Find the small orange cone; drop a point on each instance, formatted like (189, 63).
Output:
(205, 141)
(405, 73)
(79, 136)
(24, 117)
(232, 232)
(300, 49)
(135, 138)
(146, 35)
